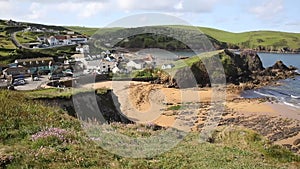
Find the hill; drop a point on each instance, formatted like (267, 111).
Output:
(264, 40)
(260, 40)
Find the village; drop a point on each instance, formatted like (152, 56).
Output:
(33, 73)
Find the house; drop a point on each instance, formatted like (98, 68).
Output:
(52, 41)
(109, 58)
(37, 64)
(99, 66)
(70, 32)
(116, 69)
(79, 39)
(83, 49)
(137, 64)
(12, 23)
(167, 66)
(41, 39)
(149, 59)
(15, 71)
(63, 40)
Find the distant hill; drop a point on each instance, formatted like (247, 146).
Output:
(260, 40)
(268, 40)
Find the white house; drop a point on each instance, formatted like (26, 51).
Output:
(83, 49)
(167, 66)
(137, 64)
(52, 41)
(116, 69)
(78, 39)
(100, 66)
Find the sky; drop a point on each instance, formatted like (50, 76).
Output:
(229, 15)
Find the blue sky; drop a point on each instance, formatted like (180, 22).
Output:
(230, 15)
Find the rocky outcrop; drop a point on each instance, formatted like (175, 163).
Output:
(101, 108)
(279, 65)
(245, 68)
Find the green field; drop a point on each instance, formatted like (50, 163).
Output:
(253, 39)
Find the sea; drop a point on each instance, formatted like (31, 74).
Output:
(288, 93)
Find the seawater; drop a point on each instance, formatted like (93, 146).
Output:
(289, 92)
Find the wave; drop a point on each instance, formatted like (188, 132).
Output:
(263, 94)
(291, 104)
(295, 97)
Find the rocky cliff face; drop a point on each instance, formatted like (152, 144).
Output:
(86, 105)
(245, 67)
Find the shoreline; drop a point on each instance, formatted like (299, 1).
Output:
(143, 102)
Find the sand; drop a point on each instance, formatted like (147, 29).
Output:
(143, 102)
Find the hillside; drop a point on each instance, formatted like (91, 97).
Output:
(8, 47)
(268, 40)
(35, 135)
(263, 40)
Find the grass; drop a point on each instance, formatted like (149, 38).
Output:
(5, 41)
(22, 117)
(176, 107)
(253, 39)
(53, 93)
(83, 30)
(190, 61)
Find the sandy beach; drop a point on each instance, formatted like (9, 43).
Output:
(191, 109)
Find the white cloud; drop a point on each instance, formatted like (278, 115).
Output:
(6, 7)
(37, 11)
(269, 9)
(198, 6)
(179, 6)
(81, 9)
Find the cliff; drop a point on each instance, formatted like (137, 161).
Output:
(245, 67)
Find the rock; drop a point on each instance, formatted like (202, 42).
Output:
(279, 65)
(288, 146)
(296, 142)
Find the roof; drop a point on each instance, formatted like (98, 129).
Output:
(61, 37)
(149, 58)
(78, 56)
(138, 61)
(34, 59)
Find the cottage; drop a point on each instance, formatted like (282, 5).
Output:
(116, 69)
(63, 40)
(167, 66)
(83, 49)
(100, 66)
(149, 59)
(52, 41)
(137, 64)
(12, 23)
(37, 64)
(79, 39)
(15, 71)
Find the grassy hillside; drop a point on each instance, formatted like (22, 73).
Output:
(33, 135)
(90, 31)
(268, 40)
